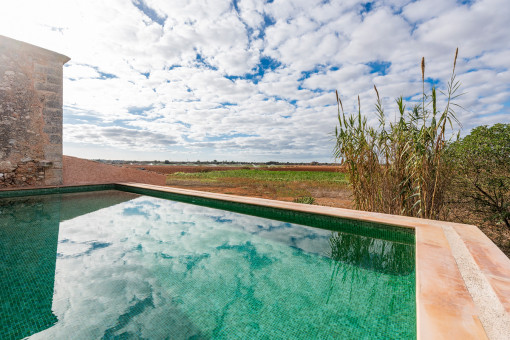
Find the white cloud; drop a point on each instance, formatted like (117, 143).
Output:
(427, 9)
(381, 36)
(170, 78)
(117, 136)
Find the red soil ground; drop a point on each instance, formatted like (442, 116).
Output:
(83, 171)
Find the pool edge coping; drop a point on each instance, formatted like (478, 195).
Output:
(445, 307)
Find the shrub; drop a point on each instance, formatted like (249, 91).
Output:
(482, 171)
(305, 200)
(399, 167)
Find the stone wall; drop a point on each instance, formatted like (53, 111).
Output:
(30, 114)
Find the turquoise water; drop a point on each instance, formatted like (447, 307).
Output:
(119, 265)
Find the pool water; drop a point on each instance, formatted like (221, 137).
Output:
(119, 265)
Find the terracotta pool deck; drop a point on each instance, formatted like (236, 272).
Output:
(462, 278)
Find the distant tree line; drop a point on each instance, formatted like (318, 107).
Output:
(198, 162)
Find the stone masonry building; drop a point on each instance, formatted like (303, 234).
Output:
(30, 115)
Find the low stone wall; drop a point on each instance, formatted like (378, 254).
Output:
(26, 172)
(30, 114)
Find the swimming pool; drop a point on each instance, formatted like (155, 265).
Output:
(115, 264)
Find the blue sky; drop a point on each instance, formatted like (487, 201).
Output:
(254, 80)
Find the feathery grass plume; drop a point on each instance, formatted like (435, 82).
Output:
(399, 167)
(423, 81)
(423, 68)
(339, 101)
(455, 59)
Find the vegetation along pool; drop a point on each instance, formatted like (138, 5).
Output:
(116, 264)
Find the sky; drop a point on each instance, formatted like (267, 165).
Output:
(254, 80)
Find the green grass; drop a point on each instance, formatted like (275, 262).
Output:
(265, 175)
(304, 200)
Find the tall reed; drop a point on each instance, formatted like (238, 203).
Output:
(399, 167)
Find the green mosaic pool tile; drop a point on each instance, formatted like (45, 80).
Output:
(55, 190)
(29, 233)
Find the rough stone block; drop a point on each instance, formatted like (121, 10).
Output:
(57, 165)
(57, 80)
(7, 166)
(49, 129)
(45, 164)
(53, 177)
(47, 87)
(52, 149)
(53, 104)
(56, 139)
(42, 69)
(53, 71)
(52, 113)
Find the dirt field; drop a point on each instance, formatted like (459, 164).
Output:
(170, 169)
(328, 196)
(287, 184)
(82, 171)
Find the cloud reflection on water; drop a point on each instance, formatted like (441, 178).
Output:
(178, 270)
